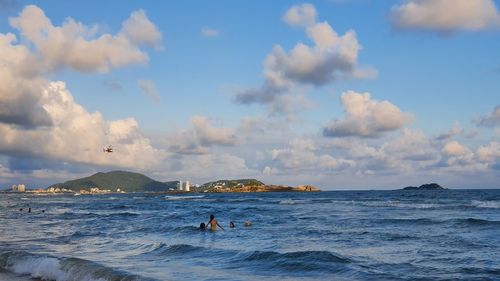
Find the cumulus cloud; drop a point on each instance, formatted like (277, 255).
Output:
(445, 16)
(40, 119)
(491, 120)
(489, 153)
(78, 46)
(303, 155)
(366, 117)
(454, 149)
(331, 57)
(149, 88)
(78, 136)
(201, 136)
(141, 31)
(301, 15)
(209, 32)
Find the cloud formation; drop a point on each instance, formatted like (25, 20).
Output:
(80, 47)
(40, 119)
(301, 15)
(303, 155)
(491, 120)
(149, 88)
(78, 136)
(201, 136)
(331, 57)
(365, 117)
(446, 16)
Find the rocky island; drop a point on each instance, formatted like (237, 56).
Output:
(427, 186)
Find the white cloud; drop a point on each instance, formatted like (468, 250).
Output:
(209, 32)
(149, 88)
(78, 136)
(412, 145)
(80, 47)
(301, 15)
(489, 153)
(209, 135)
(201, 136)
(331, 57)
(302, 155)
(491, 120)
(366, 117)
(454, 148)
(445, 16)
(141, 30)
(40, 119)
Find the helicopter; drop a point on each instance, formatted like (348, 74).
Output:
(108, 149)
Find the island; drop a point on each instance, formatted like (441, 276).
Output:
(125, 182)
(427, 186)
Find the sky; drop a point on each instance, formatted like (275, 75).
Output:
(339, 94)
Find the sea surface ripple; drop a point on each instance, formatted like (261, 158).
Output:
(338, 235)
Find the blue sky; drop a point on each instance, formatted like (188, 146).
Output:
(200, 119)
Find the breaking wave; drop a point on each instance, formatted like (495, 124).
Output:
(60, 269)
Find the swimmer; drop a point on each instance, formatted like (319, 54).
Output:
(29, 210)
(248, 223)
(231, 224)
(203, 226)
(213, 223)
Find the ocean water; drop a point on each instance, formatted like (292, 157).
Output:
(351, 235)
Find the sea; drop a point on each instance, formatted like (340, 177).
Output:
(329, 235)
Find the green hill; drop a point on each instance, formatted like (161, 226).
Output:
(126, 181)
(229, 184)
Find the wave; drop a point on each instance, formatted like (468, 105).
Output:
(300, 261)
(475, 222)
(51, 268)
(293, 201)
(399, 204)
(180, 197)
(486, 204)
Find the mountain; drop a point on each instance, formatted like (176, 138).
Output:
(427, 186)
(126, 181)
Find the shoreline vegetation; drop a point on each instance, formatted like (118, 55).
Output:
(129, 182)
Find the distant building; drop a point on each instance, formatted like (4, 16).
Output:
(186, 188)
(179, 187)
(18, 188)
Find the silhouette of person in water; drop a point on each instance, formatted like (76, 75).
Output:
(231, 224)
(213, 223)
(202, 226)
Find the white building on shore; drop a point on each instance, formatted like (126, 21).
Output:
(184, 186)
(18, 188)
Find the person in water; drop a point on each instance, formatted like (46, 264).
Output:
(213, 223)
(202, 226)
(231, 224)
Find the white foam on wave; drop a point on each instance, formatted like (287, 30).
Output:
(486, 204)
(399, 204)
(46, 268)
(187, 197)
(56, 269)
(293, 201)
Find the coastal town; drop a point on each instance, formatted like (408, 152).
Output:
(129, 182)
